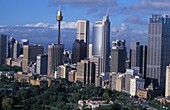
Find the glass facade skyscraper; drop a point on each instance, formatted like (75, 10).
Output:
(83, 33)
(118, 56)
(158, 48)
(101, 42)
(3, 46)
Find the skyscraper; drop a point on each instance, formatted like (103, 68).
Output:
(11, 42)
(22, 43)
(55, 51)
(79, 51)
(138, 57)
(42, 61)
(30, 53)
(98, 61)
(90, 50)
(101, 41)
(158, 56)
(83, 32)
(86, 72)
(3, 47)
(55, 57)
(17, 49)
(118, 56)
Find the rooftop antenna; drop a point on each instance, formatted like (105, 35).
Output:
(59, 7)
(107, 12)
(117, 32)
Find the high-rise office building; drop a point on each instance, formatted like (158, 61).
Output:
(79, 51)
(30, 53)
(83, 32)
(98, 69)
(3, 48)
(11, 42)
(118, 56)
(17, 49)
(167, 84)
(101, 41)
(42, 61)
(138, 57)
(158, 56)
(55, 57)
(22, 43)
(90, 51)
(55, 51)
(86, 72)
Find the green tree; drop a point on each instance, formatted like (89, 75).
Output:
(7, 103)
(106, 95)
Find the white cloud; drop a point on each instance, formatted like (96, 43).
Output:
(135, 19)
(91, 6)
(148, 6)
(129, 34)
(70, 25)
(42, 33)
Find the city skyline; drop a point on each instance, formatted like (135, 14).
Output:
(60, 54)
(35, 20)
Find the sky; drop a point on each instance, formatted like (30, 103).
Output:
(35, 19)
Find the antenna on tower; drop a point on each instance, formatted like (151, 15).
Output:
(117, 32)
(107, 12)
(59, 7)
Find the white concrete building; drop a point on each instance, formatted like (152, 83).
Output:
(136, 83)
(167, 83)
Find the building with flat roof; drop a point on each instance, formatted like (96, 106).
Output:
(30, 53)
(158, 56)
(3, 49)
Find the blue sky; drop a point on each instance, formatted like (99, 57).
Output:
(35, 19)
(16, 12)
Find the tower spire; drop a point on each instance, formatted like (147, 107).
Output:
(59, 18)
(59, 8)
(107, 12)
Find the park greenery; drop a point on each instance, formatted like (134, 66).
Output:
(10, 68)
(62, 96)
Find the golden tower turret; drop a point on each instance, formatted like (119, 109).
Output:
(59, 18)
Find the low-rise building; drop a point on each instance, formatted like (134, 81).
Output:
(150, 92)
(23, 76)
(93, 103)
(72, 75)
(7, 74)
(136, 83)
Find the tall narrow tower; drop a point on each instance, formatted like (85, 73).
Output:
(101, 41)
(59, 18)
(55, 51)
(158, 56)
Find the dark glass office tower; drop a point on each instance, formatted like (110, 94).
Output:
(83, 27)
(3, 47)
(79, 51)
(11, 42)
(158, 48)
(118, 56)
(138, 57)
